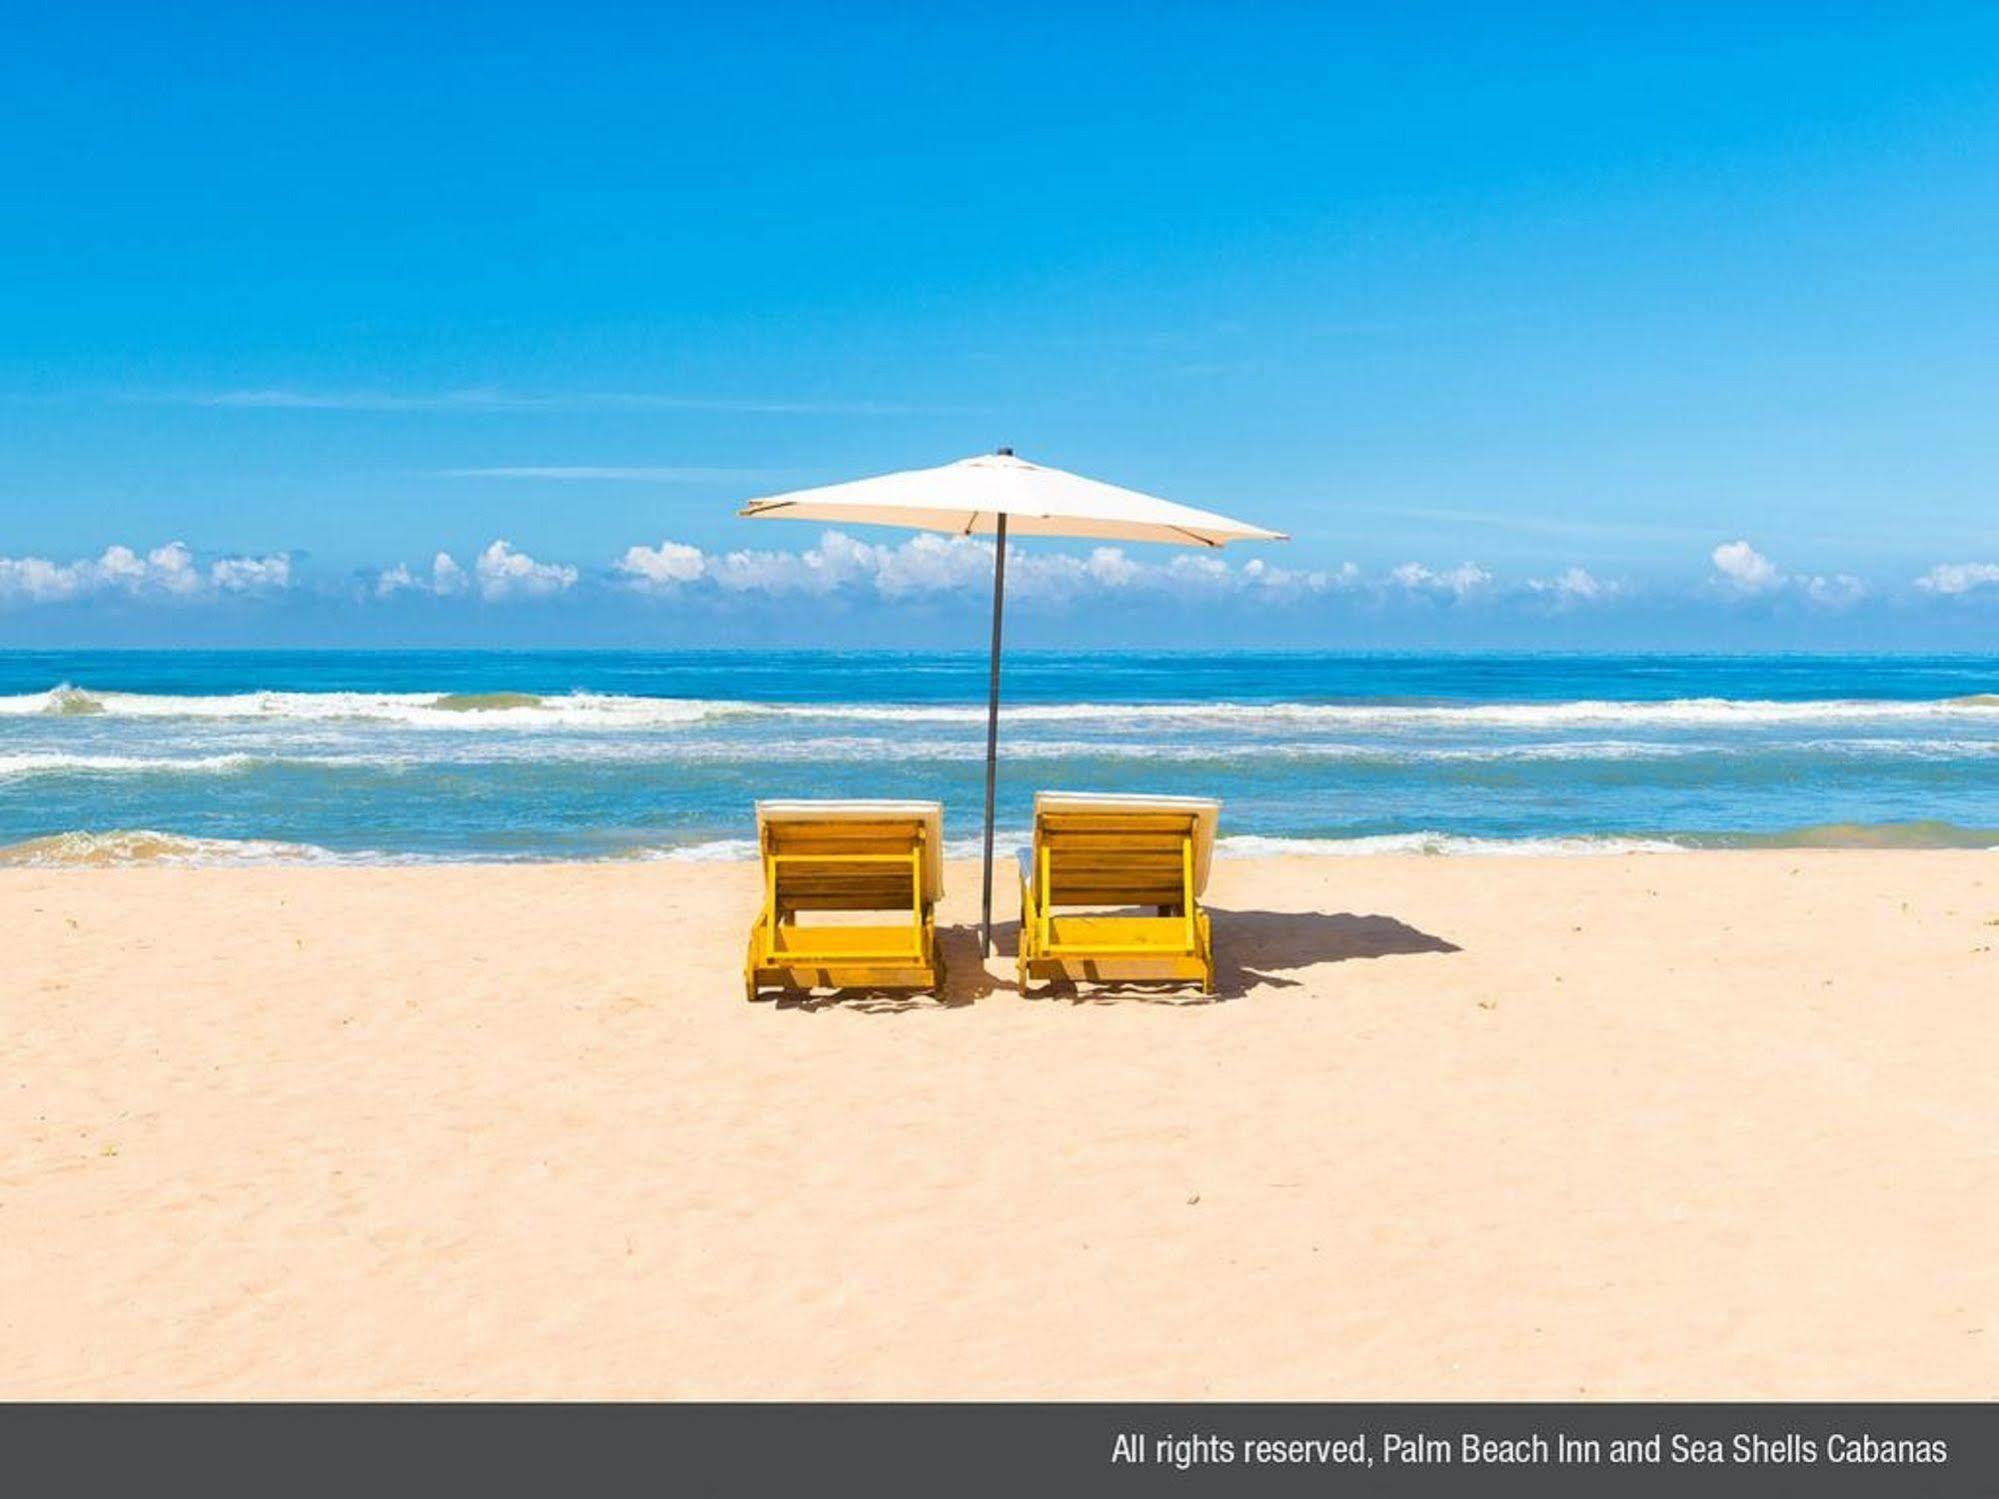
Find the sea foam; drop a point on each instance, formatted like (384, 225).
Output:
(140, 846)
(612, 711)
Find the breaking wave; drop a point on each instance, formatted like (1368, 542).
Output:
(1020, 753)
(612, 711)
(522, 759)
(418, 710)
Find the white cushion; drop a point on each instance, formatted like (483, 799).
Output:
(861, 809)
(1205, 810)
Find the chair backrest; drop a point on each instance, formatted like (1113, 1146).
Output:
(1123, 850)
(852, 855)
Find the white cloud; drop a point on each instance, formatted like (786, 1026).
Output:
(664, 566)
(1953, 578)
(1201, 569)
(836, 562)
(1111, 567)
(1744, 569)
(1835, 592)
(252, 574)
(169, 572)
(171, 568)
(1575, 585)
(40, 581)
(1037, 573)
(504, 573)
(929, 564)
(1267, 577)
(446, 579)
(924, 564)
(1746, 573)
(1457, 583)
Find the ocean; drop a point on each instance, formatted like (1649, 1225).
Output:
(394, 757)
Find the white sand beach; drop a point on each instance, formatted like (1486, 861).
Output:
(1695, 1127)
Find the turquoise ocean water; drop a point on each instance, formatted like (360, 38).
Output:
(414, 756)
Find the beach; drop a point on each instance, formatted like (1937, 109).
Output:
(1713, 1125)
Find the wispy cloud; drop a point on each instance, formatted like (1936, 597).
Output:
(489, 399)
(1466, 580)
(1527, 525)
(1574, 587)
(643, 475)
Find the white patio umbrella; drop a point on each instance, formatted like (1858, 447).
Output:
(993, 495)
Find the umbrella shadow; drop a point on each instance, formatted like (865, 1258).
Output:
(1256, 949)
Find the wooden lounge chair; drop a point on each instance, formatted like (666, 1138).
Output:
(1150, 851)
(823, 856)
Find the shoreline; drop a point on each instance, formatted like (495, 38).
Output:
(1690, 1127)
(141, 848)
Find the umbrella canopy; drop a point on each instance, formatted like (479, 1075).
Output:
(988, 496)
(969, 497)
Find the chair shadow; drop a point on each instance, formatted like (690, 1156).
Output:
(1253, 949)
(966, 981)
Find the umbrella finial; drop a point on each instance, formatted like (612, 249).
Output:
(1003, 453)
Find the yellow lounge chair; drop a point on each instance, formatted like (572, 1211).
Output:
(848, 856)
(1117, 851)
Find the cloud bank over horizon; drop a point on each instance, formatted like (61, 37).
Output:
(843, 589)
(928, 565)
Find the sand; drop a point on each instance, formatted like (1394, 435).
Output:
(1706, 1126)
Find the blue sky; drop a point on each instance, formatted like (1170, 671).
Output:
(1534, 326)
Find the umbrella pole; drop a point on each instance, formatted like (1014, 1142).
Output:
(992, 734)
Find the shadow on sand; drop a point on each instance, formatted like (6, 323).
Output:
(1253, 950)
(966, 979)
